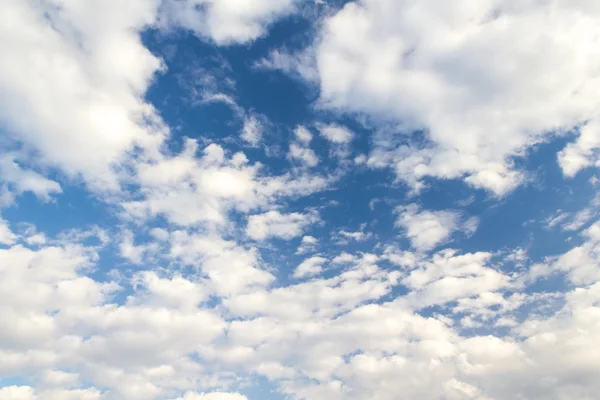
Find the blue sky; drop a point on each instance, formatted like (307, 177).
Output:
(304, 200)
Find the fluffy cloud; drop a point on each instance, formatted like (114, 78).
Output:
(199, 312)
(579, 263)
(300, 150)
(225, 22)
(274, 224)
(6, 235)
(21, 181)
(190, 190)
(72, 324)
(427, 229)
(480, 91)
(28, 393)
(212, 396)
(307, 244)
(358, 236)
(89, 60)
(310, 267)
(335, 133)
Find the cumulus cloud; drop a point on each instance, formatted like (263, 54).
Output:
(310, 267)
(204, 311)
(6, 235)
(97, 71)
(190, 190)
(339, 138)
(579, 263)
(212, 396)
(29, 393)
(72, 324)
(224, 22)
(22, 181)
(426, 229)
(274, 224)
(359, 236)
(300, 150)
(335, 133)
(307, 244)
(481, 93)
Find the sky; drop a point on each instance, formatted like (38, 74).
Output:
(299, 200)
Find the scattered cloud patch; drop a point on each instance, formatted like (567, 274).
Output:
(273, 224)
(426, 229)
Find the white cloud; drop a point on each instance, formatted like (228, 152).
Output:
(225, 22)
(580, 263)
(202, 314)
(336, 133)
(480, 92)
(212, 396)
(132, 252)
(583, 152)
(36, 239)
(339, 138)
(305, 155)
(17, 393)
(450, 277)
(299, 64)
(307, 244)
(273, 224)
(29, 393)
(358, 235)
(231, 268)
(73, 325)
(427, 229)
(299, 148)
(26, 180)
(310, 267)
(90, 61)
(6, 235)
(191, 191)
(252, 131)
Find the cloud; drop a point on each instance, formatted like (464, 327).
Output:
(450, 277)
(339, 138)
(132, 252)
(580, 263)
(29, 393)
(97, 71)
(227, 23)
(190, 190)
(481, 95)
(359, 236)
(6, 235)
(583, 152)
(307, 244)
(26, 180)
(273, 224)
(252, 131)
(72, 324)
(310, 267)
(335, 133)
(212, 396)
(205, 312)
(297, 64)
(427, 229)
(300, 150)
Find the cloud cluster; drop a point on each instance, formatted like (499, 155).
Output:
(483, 81)
(185, 295)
